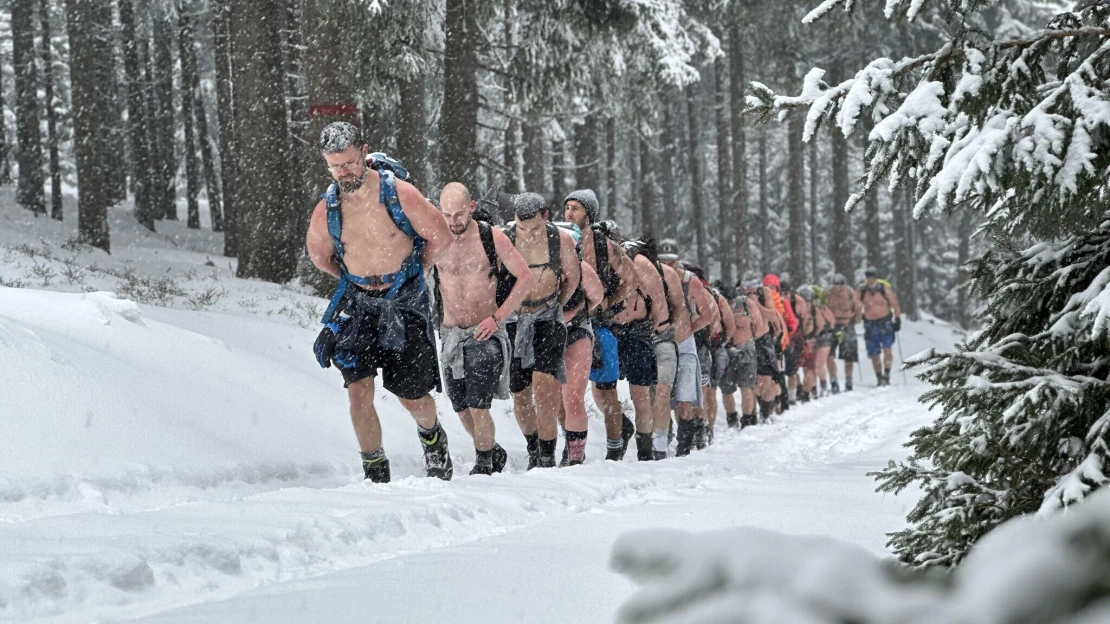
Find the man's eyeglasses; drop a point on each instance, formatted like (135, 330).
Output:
(350, 164)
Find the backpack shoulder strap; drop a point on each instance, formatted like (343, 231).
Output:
(485, 234)
(387, 195)
(554, 251)
(335, 219)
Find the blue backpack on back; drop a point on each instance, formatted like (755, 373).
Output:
(389, 171)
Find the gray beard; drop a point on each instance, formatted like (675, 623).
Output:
(350, 186)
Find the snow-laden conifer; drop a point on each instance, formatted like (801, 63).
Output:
(1014, 123)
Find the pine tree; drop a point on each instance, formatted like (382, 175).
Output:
(48, 80)
(266, 247)
(30, 195)
(1017, 129)
(89, 23)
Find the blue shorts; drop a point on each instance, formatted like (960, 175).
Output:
(878, 335)
(610, 369)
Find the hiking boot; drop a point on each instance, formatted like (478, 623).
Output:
(546, 458)
(733, 420)
(377, 470)
(643, 447)
(766, 410)
(564, 461)
(847, 385)
(575, 448)
(500, 458)
(437, 459)
(835, 385)
(748, 420)
(628, 429)
(659, 455)
(532, 444)
(700, 435)
(483, 464)
(803, 396)
(687, 429)
(709, 436)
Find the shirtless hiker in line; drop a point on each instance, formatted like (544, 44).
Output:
(476, 347)
(387, 315)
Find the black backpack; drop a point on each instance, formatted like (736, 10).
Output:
(485, 234)
(506, 280)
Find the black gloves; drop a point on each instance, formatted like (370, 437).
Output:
(324, 348)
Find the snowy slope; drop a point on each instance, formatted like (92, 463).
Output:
(160, 457)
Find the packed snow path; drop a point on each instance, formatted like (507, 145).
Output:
(131, 540)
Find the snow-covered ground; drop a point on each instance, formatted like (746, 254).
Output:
(189, 461)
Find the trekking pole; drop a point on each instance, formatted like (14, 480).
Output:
(901, 358)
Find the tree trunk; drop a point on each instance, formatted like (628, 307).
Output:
(840, 243)
(187, 53)
(30, 193)
(963, 254)
(610, 208)
(208, 159)
(726, 218)
(871, 223)
(737, 82)
(221, 39)
(559, 188)
(300, 139)
(90, 22)
(458, 126)
(162, 121)
(532, 137)
(51, 114)
(904, 280)
(587, 166)
(796, 193)
(511, 153)
(266, 248)
(5, 162)
(136, 116)
(669, 227)
(764, 217)
(694, 129)
(648, 192)
(813, 210)
(635, 186)
(412, 131)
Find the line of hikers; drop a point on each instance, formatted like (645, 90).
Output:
(538, 310)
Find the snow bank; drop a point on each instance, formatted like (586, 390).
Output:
(1051, 570)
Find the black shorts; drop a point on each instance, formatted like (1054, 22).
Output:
(409, 374)
(576, 332)
(481, 376)
(550, 346)
(637, 361)
(766, 359)
(847, 348)
(790, 357)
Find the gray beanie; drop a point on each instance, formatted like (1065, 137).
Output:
(588, 199)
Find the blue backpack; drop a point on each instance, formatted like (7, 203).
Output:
(389, 170)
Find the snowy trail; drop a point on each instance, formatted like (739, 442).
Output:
(119, 563)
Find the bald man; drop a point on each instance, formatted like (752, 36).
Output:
(475, 344)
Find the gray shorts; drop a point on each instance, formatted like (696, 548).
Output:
(666, 363)
(705, 359)
(741, 370)
(687, 383)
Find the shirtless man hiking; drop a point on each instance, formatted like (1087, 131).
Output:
(536, 328)
(374, 231)
(882, 317)
(843, 302)
(476, 347)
